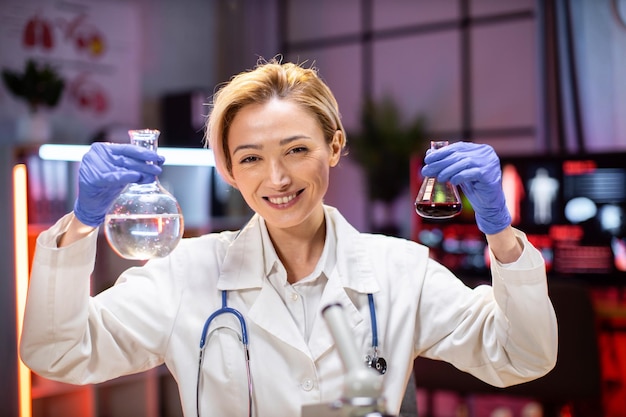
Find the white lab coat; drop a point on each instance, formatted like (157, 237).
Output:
(154, 314)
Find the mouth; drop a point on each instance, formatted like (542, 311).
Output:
(284, 199)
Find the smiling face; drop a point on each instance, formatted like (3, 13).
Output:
(281, 162)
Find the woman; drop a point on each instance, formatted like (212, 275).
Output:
(276, 132)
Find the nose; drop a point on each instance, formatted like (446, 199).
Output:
(279, 175)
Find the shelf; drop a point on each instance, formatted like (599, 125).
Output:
(77, 402)
(153, 393)
(42, 388)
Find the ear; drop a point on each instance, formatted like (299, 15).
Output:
(336, 146)
(230, 180)
(223, 172)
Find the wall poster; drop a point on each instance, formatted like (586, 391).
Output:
(96, 48)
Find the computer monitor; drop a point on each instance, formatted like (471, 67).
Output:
(572, 207)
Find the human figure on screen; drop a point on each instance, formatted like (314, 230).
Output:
(513, 188)
(542, 192)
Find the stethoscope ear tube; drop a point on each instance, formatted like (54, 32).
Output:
(244, 340)
(374, 361)
(225, 310)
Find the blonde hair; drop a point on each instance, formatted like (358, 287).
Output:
(268, 80)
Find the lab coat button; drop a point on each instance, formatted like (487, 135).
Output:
(307, 384)
(294, 296)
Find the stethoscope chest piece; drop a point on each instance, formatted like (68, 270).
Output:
(377, 363)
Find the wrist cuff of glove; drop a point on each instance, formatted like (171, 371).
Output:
(493, 224)
(85, 218)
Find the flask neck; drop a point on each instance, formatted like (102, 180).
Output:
(438, 144)
(145, 138)
(150, 187)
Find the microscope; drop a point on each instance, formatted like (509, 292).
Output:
(362, 391)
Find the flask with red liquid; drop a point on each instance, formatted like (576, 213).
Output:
(436, 199)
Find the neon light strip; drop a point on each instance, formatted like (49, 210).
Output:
(20, 222)
(173, 156)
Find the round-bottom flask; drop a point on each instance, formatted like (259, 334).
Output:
(436, 199)
(145, 221)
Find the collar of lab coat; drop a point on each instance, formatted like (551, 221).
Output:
(243, 266)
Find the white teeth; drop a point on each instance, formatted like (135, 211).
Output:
(282, 200)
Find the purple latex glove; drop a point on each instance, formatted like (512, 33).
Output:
(104, 172)
(476, 169)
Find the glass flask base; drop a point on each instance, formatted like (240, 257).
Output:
(438, 210)
(143, 236)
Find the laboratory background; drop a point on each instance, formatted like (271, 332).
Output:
(542, 81)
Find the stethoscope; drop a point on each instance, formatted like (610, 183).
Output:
(373, 361)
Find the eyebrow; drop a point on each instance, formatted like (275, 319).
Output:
(282, 142)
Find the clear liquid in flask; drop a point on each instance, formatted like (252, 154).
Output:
(143, 236)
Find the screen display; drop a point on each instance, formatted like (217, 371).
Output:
(572, 208)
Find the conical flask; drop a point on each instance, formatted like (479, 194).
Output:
(436, 199)
(145, 221)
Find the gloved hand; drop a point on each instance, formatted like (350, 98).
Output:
(476, 169)
(104, 172)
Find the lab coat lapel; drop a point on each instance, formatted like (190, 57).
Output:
(270, 314)
(242, 267)
(334, 293)
(353, 260)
